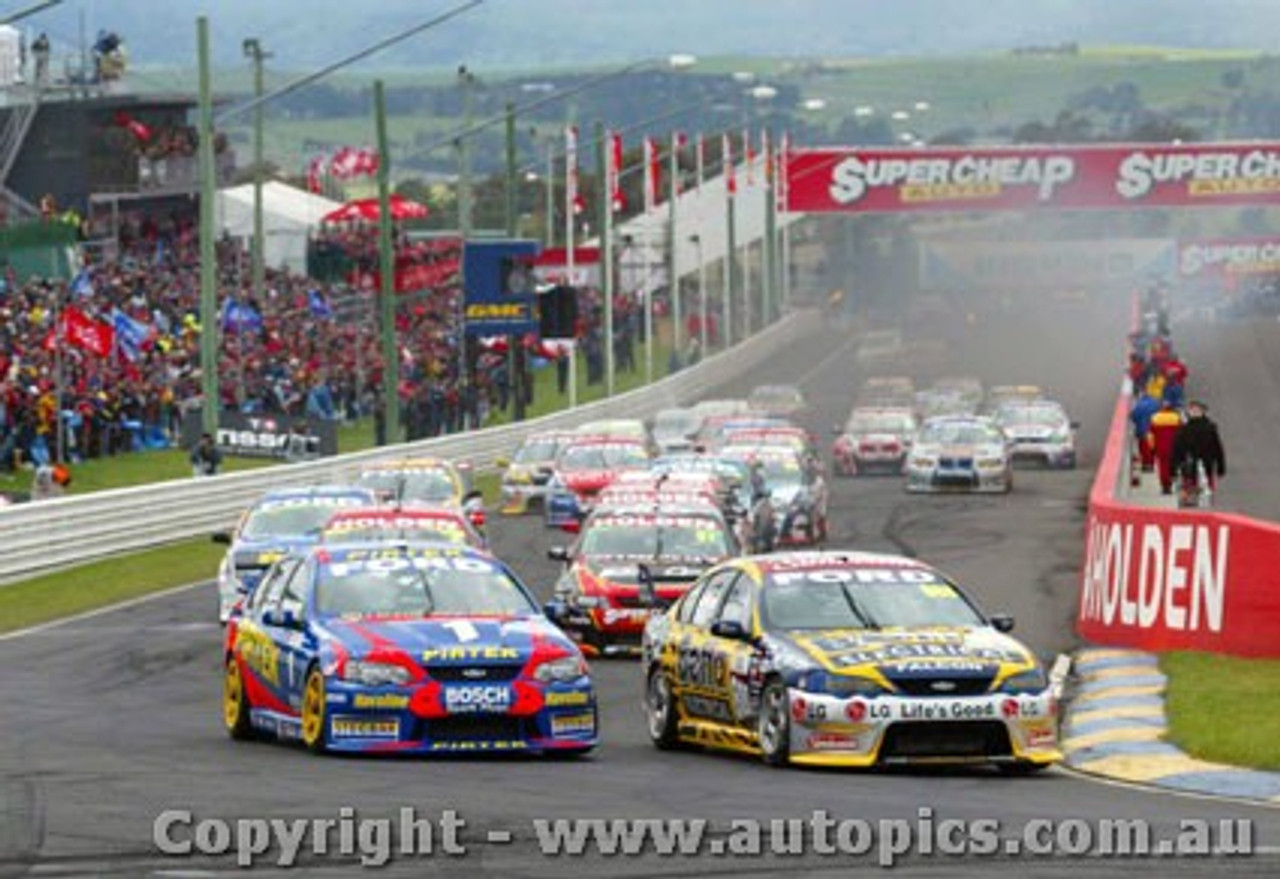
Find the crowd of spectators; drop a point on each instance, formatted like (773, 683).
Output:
(300, 348)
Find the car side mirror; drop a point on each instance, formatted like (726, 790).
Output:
(645, 590)
(221, 537)
(556, 610)
(1002, 622)
(558, 554)
(731, 630)
(1075, 425)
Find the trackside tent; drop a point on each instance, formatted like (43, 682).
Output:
(289, 216)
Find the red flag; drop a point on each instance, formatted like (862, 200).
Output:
(678, 142)
(573, 198)
(730, 180)
(315, 171)
(700, 158)
(344, 163)
(366, 162)
(614, 175)
(84, 332)
(748, 153)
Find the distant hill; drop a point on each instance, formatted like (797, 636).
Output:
(529, 34)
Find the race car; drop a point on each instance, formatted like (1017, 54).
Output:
(280, 522)
(617, 428)
(429, 481)
(959, 453)
(890, 391)
(966, 387)
(786, 401)
(584, 467)
(935, 402)
(721, 408)
(675, 430)
(874, 439)
(998, 395)
(844, 659)
(716, 428)
(404, 648)
(1041, 432)
(416, 524)
(661, 490)
(525, 474)
(879, 348)
(786, 436)
(735, 476)
(597, 598)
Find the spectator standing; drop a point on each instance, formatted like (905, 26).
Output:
(1140, 416)
(1165, 425)
(1198, 442)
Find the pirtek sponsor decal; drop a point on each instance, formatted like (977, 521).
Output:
(1151, 576)
(968, 176)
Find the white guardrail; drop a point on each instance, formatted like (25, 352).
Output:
(53, 534)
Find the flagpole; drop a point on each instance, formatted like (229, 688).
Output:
(604, 164)
(704, 312)
(649, 208)
(673, 277)
(570, 205)
(730, 255)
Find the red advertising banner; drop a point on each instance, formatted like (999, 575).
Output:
(1110, 177)
(1221, 258)
(1159, 579)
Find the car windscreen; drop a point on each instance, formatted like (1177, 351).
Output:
(886, 423)
(601, 457)
(1047, 416)
(431, 531)
(839, 600)
(656, 538)
(537, 451)
(418, 587)
(676, 423)
(959, 433)
(428, 486)
(293, 519)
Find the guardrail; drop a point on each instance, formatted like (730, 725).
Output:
(54, 534)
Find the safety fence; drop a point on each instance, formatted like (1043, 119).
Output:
(1171, 579)
(67, 531)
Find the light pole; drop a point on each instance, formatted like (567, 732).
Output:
(696, 241)
(254, 52)
(209, 384)
(387, 271)
(761, 94)
(606, 252)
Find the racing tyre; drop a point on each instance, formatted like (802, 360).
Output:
(660, 707)
(314, 712)
(235, 704)
(774, 724)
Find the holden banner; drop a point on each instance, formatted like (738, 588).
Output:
(1110, 177)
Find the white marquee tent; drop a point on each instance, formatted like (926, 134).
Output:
(289, 215)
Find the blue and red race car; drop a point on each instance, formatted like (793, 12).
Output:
(423, 648)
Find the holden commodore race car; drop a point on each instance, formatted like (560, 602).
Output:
(844, 659)
(403, 648)
(280, 522)
(959, 453)
(583, 469)
(874, 439)
(597, 599)
(1040, 431)
(526, 473)
(417, 524)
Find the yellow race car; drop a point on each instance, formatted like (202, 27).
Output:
(844, 659)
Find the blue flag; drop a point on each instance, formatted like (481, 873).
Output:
(132, 336)
(82, 284)
(240, 317)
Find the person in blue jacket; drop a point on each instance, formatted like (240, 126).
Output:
(1140, 417)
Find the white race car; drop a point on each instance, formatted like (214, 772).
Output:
(959, 453)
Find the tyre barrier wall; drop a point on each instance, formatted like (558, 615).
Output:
(59, 533)
(1168, 579)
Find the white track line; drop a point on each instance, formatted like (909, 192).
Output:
(1166, 791)
(100, 611)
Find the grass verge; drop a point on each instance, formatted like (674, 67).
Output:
(75, 590)
(1224, 708)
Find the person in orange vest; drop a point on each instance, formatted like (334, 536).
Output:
(1165, 425)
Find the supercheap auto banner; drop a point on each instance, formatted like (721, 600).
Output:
(1217, 259)
(1160, 579)
(1021, 178)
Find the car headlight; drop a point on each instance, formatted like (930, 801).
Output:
(840, 686)
(566, 668)
(990, 463)
(374, 674)
(1031, 681)
(924, 463)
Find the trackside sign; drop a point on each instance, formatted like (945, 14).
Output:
(1019, 178)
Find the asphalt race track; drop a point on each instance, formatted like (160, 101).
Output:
(109, 721)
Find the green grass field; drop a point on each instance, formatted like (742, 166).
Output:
(1224, 709)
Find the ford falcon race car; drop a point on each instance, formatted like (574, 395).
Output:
(406, 648)
(844, 659)
(526, 473)
(583, 469)
(959, 453)
(874, 439)
(415, 524)
(597, 599)
(280, 522)
(1040, 432)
